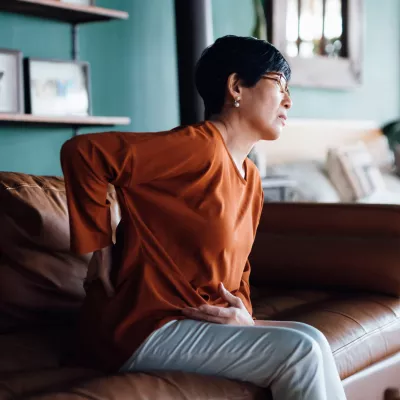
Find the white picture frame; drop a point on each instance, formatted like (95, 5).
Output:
(11, 82)
(57, 87)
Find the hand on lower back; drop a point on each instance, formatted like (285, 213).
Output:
(236, 314)
(100, 268)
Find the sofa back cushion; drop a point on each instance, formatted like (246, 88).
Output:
(353, 247)
(41, 281)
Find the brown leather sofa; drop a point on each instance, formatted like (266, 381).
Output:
(336, 267)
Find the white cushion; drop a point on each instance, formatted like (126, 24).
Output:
(353, 172)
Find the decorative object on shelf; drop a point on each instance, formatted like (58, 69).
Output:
(74, 13)
(55, 87)
(80, 2)
(11, 82)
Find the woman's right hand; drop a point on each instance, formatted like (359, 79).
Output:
(100, 268)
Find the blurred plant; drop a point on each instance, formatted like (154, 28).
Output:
(392, 132)
(260, 28)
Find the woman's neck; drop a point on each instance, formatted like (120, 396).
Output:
(237, 139)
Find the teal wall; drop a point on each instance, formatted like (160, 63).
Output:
(133, 65)
(377, 99)
(134, 72)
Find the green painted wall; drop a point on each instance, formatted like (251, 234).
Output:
(134, 72)
(133, 65)
(377, 99)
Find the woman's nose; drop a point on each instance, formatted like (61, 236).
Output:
(287, 102)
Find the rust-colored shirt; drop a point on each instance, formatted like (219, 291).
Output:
(189, 220)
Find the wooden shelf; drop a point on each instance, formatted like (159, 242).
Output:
(70, 120)
(55, 9)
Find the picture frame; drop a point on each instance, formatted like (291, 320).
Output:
(86, 3)
(11, 82)
(343, 73)
(57, 87)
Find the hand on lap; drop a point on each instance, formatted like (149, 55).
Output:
(236, 314)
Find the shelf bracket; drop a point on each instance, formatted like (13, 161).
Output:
(75, 42)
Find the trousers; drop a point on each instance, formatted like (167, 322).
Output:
(293, 359)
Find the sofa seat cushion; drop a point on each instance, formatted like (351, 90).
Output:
(362, 329)
(36, 364)
(165, 386)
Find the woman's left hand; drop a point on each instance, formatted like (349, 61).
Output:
(236, 314)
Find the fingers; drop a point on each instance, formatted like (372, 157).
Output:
(229, 297)
(217, 311)
(195, 313)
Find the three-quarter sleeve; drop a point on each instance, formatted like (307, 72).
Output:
(90, 163)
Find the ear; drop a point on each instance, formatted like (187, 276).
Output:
(234, 87)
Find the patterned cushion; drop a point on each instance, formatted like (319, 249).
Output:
(353, 172)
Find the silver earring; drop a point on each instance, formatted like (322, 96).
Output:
(236, 102)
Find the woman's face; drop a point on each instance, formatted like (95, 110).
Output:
(265, 106)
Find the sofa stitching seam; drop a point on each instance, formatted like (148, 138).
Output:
(32, 186)
(359, 339)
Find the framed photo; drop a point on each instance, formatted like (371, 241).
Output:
(11, 82)
(80, 2)
(56, 87)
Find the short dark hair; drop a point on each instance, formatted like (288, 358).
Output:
(249, 57)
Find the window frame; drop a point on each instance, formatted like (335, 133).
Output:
(320, 71)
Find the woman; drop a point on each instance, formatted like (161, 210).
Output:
(176, 294)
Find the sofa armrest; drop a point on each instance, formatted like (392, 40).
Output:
(348, 246)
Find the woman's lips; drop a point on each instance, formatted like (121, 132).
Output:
(283, 119)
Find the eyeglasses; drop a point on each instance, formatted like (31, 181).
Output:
(281, 81)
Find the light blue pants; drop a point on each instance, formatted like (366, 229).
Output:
(293, 359)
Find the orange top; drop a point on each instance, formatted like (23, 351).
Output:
(189, 220)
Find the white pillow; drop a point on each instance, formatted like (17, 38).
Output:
(353, 173)
(312, 183)
(382, 197)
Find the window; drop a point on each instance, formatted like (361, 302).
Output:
(321, 39)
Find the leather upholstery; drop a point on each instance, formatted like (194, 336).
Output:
(168, 386)
(309, 265)
(342, 246)
(361, 329)
(40, 280)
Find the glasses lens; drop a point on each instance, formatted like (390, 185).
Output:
(284, 85)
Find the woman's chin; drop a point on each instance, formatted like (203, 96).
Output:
(272, 133)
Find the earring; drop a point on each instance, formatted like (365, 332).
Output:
(236, 102)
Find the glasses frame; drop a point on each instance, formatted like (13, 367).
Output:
(284, 88)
